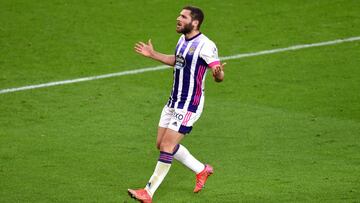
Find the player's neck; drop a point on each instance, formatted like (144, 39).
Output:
(191, 34)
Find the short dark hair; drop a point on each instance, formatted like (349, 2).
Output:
(196, 14)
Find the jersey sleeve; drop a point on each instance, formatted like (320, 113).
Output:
(210, 54)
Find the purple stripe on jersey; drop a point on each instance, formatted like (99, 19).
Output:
(183, 47)
(175, 89)
(176, 79)
(177, 46)
(187, 74)
(193, 107)
(198, 85)
(169, 101)
(198, 93)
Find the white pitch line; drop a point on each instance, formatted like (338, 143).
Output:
(296, 47)
(63, 82)
(156, 68)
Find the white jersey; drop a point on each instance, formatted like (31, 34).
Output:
(193, 57)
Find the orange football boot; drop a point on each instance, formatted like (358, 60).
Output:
(141, 194)
(202, 177)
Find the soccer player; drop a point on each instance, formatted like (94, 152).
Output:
(194, 55)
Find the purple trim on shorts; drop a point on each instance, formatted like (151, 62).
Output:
(185, 129)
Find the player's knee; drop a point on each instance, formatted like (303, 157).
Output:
(158, 144)
(167, 147)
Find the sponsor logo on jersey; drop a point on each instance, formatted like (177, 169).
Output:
(180, 62)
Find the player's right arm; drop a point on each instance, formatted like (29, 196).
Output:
(148, 51)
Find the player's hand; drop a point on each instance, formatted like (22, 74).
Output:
(218, 72)
(144, 49)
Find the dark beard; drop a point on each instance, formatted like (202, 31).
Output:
(187, 29)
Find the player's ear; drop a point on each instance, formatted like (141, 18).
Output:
(195, 23)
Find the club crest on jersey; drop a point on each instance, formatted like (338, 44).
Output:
(180, 62)
(191, 50)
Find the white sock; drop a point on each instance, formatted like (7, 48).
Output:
(183, 155)
(158, 176)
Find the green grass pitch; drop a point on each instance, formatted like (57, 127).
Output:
(283, 127)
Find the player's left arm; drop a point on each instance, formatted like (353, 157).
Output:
(210, 55)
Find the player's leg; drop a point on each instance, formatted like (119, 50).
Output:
(169, 140)
(187, 120)
(182, 154)
(144, 195)
(165, 118)
(202, 171)
(160, 135)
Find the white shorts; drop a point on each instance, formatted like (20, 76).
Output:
(179, 120)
